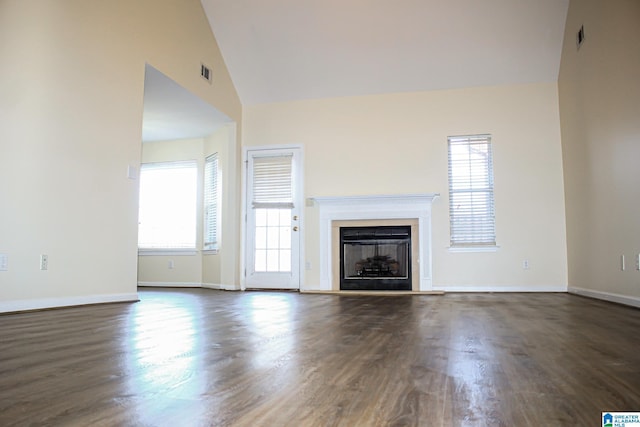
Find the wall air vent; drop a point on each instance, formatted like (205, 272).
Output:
(580, 37)
(205, 73)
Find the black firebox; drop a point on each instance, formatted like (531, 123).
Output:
(375, 258)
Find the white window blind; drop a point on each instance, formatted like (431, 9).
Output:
(471, 202)
(211, 202)
(167, 215)
(272, 187)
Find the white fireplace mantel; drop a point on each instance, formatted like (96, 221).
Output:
(382, 207)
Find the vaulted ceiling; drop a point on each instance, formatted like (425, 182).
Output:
(280, 50)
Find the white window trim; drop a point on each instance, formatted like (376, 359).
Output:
(469, 248)
(168, 252)
(472, 246)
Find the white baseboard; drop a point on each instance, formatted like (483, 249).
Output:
(40, 304)
(170, 284)
(496, 288)
(470, 288)
(607, 296)
(220, 286)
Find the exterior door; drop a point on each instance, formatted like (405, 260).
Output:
(273, 219)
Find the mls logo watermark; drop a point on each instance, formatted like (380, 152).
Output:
(621, 419)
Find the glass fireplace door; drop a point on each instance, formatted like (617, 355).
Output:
(375, 258)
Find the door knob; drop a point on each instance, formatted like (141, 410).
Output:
(295, 228)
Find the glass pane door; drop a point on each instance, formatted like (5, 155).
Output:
(272, 256)
(273, 240)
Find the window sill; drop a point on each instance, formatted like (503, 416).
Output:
(458, 249)
(210, 251)
(168, 252)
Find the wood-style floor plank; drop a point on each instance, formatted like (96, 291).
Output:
(196, 357)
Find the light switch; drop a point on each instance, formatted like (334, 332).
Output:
(4, 262)
(132, 172)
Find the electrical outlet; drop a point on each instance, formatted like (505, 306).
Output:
(622, 263)
(307, 265)
(44, 262)
(525, 264)
(170, 264)
(4, 262)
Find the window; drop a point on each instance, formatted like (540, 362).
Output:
(211, 202)
(471, 204)
(168, 197)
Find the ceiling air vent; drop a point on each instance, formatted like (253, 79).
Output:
(205, 73)
(580, 36)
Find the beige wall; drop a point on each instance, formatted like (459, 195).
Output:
(599, 92)
(71, 91)
(397, 143)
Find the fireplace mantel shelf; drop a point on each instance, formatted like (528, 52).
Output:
(378, 198)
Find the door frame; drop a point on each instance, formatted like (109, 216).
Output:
(244, 209)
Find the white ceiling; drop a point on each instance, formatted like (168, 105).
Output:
(281, 50)
(172, 112)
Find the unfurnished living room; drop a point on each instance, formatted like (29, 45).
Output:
(320, 213)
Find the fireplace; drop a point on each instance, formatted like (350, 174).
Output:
(375, 258)
(412, 210)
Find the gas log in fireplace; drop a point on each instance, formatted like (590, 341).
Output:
(375, 258)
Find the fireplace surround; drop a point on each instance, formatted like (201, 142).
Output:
(384, 210)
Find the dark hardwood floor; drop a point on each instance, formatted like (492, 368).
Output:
(207, 358)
